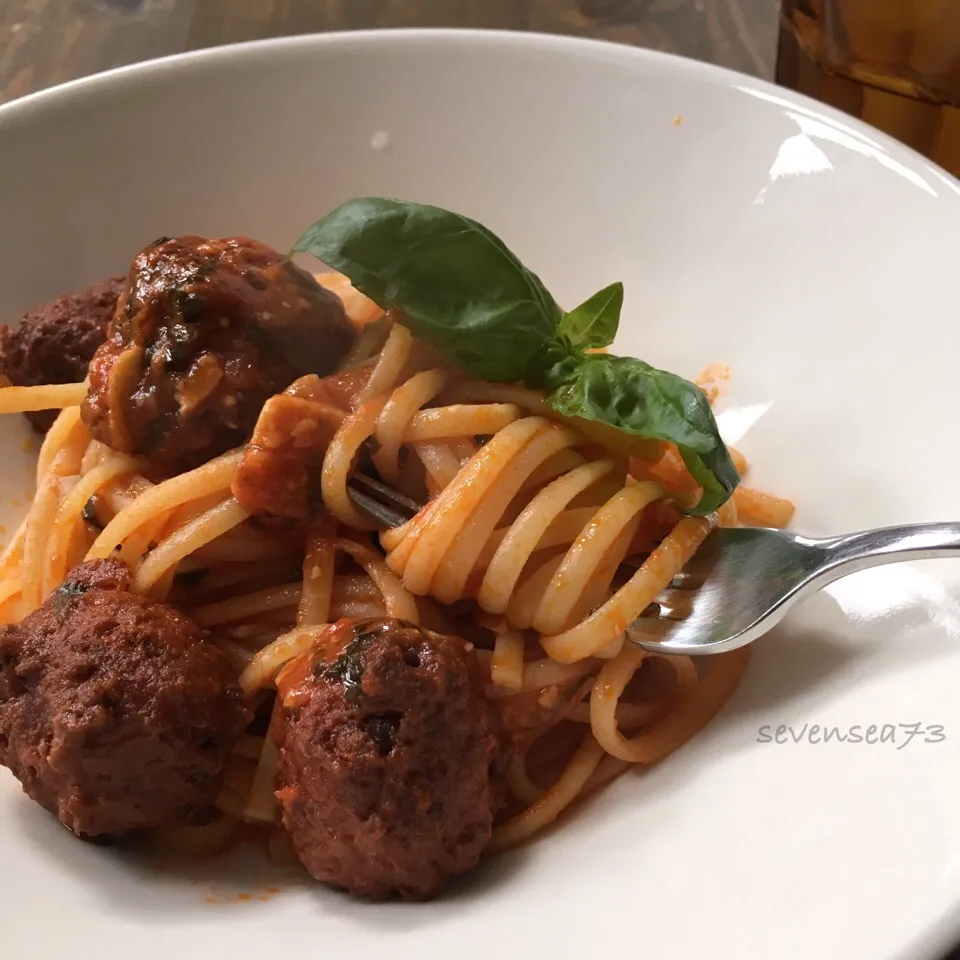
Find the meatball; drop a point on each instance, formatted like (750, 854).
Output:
(387, 746)
(55, 343)
(115, 712)
(205, 331)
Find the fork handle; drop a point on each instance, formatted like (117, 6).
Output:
(871, 548)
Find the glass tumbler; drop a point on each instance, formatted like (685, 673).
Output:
(893, 63)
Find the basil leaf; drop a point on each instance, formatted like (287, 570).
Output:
(461, 290)
(634, 397)
(714, 493)
(594, 323)
(555, 362)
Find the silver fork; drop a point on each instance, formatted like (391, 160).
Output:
(742, 581)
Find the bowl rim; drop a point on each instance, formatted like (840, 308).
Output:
(388, 36)
(63, 94)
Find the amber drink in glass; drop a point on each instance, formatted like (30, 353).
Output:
(893, 63)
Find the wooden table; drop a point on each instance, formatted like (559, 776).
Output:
(44, 42)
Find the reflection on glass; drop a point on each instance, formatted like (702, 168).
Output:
(893, 63)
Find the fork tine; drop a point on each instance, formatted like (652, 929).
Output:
(386, 495)
(383, 515)
(675, 604)
(392, 508)
(387, 506)
(648, 628)
(686, 579)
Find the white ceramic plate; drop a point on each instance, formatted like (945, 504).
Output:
(813, 255)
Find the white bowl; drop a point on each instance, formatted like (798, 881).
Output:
(812, 254)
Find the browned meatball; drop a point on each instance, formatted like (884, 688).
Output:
(55, 343)
(115, 712)
(386, 747)
(205, 332)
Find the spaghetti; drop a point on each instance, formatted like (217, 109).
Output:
(539, 542)
(526, 525)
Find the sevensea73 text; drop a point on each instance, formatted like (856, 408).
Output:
(898, 735)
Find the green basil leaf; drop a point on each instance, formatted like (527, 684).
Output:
(461, 290)
(634, 397)
(555, 362)
(594, 323)
(715, 493)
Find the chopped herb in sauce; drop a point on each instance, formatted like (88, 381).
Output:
(179, 349)
(348, 666)
(189, 304)
(90, 514)
(65, 595)
(206, 268)
(155, 435)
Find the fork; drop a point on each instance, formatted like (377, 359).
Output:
(742, 581)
